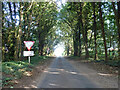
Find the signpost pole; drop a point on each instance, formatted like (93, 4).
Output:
(29, 59)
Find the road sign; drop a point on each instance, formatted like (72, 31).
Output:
(28, 53)
(29, 44)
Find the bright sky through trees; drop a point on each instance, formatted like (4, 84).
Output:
(60, 47)
(59, 3)
(58, 52)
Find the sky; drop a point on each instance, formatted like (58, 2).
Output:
(59, 49)
(59, 3)
(58, 52)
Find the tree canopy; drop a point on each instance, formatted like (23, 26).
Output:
(91, 29)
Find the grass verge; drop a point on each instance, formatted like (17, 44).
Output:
(14, 70)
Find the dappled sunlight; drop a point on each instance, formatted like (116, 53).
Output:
(22, 70)
(14, 81)
(33, 86)
(59, 71)
(73, 72)
(55, 69)
(46, 71)
(103, 74)
(87, 74)
(30, 85)
(51, 84)
(26, 87)
(51, 72)
(27, 74)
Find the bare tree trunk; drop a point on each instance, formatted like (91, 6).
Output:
(16, 46)
(86, 43)
(75, 43)
(79, 32)
(81, 25)
(103, 32)
(20, 31)
(86, 36)
(39, 43)
(110, 45)
(118, 4)
(2, 21)
(80, 50)
(94, 26)
(68, 48)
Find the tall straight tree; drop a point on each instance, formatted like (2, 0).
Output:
(16, 46)
(119, 28)
(81, 25)
(11, 33)
(79, 28)
(94, 27)
(86, 22)
(103, 32)
(20, 30)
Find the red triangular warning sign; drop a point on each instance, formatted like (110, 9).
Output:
(29, 44)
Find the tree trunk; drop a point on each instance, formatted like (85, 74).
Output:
(118, 4)
(94, 26)
(75, 44)
(42, 46)
(79, 32)
(110, 44)
(86, 43)
(117, 17)
(80, 29)
(103, 32)
(20, 31)
(80, 50)
(16, 46)
(85, 35)
(39, 44)
(12, 32)
(68, 48)
(1, 37)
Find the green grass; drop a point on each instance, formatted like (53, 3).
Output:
(15, 69)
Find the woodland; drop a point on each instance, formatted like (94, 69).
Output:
(91, 29)
(86, 29)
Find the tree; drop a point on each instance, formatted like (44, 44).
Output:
(94, 27)
(103, 32)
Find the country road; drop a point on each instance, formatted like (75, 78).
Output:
(62, 74)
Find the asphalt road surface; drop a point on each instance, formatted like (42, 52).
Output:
(62, 74)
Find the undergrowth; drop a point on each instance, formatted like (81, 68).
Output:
(13, 70)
